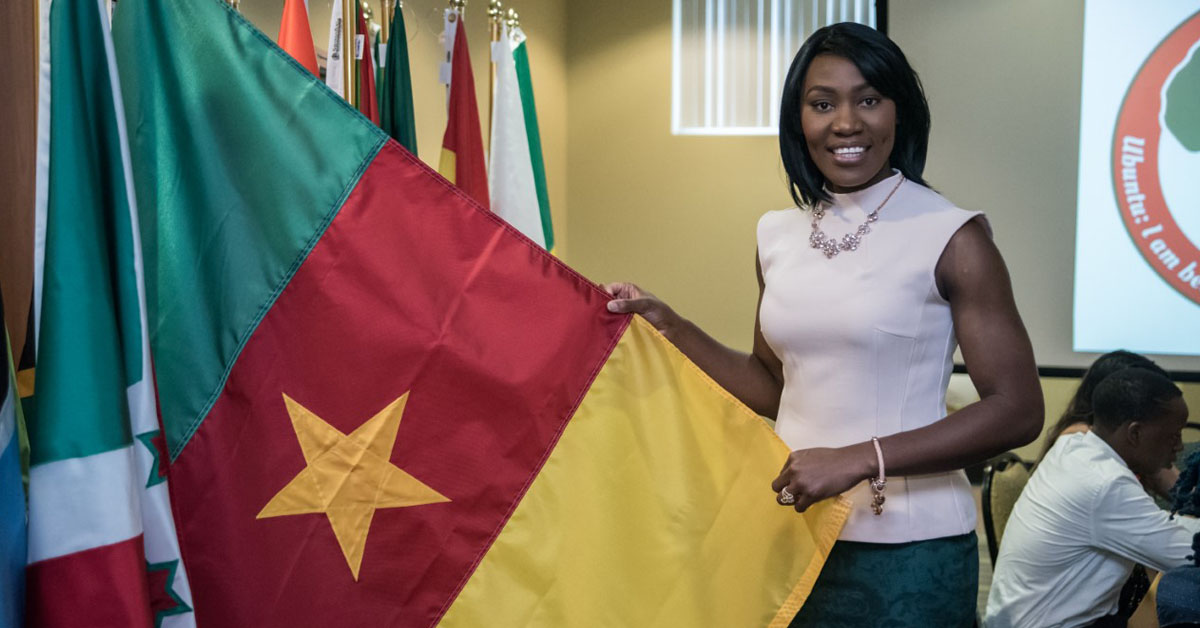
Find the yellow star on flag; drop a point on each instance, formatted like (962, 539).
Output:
(348, 477)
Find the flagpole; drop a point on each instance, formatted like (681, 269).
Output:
(348, 50)
(385, 21)
(496, 30)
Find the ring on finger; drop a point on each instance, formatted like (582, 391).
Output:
(786, 497)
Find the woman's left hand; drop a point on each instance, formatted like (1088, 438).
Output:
(811, 475)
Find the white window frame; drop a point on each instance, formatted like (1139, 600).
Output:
(774, 17)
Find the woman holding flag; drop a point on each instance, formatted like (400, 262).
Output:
(865, 287)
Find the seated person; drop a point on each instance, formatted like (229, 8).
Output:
(1078, 415)
(1084, 519)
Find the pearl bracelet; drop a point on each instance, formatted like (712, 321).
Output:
(879, 482)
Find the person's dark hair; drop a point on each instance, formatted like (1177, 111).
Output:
(1132, 394)
(1079, 409)
(885, 68)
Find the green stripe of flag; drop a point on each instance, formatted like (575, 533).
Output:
(89, 334)
(227, 211)
(396, 98)
(525, 81)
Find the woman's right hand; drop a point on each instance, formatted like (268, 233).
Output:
(630, 299)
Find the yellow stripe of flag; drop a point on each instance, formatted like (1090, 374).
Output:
(665, 522)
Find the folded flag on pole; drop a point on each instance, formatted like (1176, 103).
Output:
(462, 145)
(368, 101)
(12, 495)
(386, 408)
(102, 547)
(510, 169)
(295, 35)
(395, 95)
(537, 162)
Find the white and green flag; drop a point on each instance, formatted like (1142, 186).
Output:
(513, 172)
(537, 162)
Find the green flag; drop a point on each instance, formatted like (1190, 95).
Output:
(395, 92)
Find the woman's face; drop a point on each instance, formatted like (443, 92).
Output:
(848, 125)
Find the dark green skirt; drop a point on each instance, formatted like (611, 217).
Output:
(919, 584)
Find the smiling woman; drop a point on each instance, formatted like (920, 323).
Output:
(855, 335)
(851, 113)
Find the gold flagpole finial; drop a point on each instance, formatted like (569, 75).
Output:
(236, 4)
(514, 20)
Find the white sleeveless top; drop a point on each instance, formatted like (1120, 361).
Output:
(866, 343)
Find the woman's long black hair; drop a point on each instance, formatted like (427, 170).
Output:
(885, 68)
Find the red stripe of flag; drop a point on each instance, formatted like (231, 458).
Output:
(101, 587)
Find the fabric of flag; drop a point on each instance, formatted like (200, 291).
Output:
(384, 407)
(396, 115)
(525, 80)
(12, 496)
(462, 145)
(510, 170)
(295, 35)
(335, 73)
(102, 547)
(368, 101)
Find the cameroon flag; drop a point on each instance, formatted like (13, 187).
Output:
(386, 407)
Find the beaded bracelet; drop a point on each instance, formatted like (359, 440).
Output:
(879, 482)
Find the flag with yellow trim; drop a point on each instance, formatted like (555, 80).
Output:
(385, 407)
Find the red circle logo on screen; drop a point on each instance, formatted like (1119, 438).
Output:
(1156, 159)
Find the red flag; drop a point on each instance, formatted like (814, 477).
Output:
(462, 145)
(295, 36)
(368, 104)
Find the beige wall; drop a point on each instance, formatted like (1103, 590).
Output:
(544, 22)
(675, 214)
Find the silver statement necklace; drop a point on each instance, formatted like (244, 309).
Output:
(830, 246)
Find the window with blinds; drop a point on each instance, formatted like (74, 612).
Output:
(730, 58)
